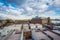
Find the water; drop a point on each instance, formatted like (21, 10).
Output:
(55, 21)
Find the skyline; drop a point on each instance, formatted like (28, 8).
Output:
(27, 9)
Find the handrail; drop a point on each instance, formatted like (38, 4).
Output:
(6, 37)
(22, 35)
(34, 37)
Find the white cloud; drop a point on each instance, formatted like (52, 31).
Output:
(57, 1)
(44, 6)
(47, 14)
(12, 11)
(29, 10)
(16, 13)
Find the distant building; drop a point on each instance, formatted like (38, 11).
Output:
(40, 20)
(36, 20)
(46, 20)
(21, 21)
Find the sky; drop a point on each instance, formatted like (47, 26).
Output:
(28, 9)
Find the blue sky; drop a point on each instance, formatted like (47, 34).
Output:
(27, 9)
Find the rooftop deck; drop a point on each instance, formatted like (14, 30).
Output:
(36, 31)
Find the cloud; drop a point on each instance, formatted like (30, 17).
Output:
(57, 2)
(28, 9)
(11, 13)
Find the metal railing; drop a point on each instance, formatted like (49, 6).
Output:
(21, 35)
